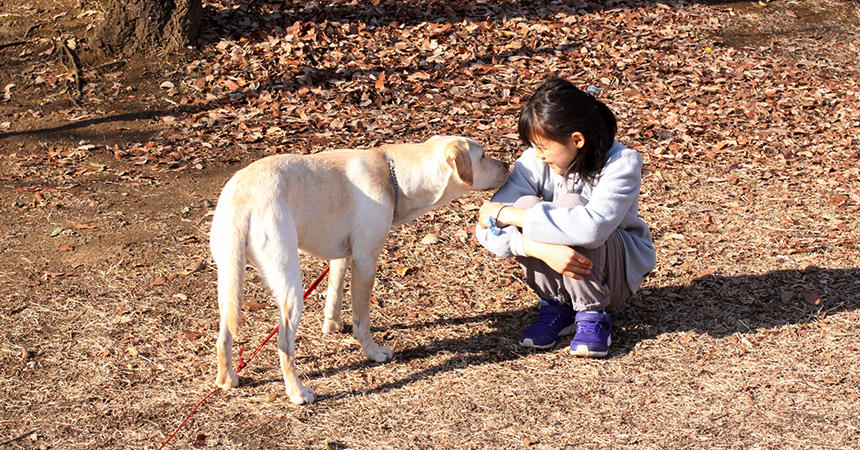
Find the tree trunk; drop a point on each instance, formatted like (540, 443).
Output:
(133, 26)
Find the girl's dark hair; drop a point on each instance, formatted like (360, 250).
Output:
(557, 110)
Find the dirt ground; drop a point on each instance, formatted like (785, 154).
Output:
(745, 336)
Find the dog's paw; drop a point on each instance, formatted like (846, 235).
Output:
(302, 395)
(227, 380)
(380, 354)
(331, 326)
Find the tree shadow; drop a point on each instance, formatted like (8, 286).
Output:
(246, 17)
(715, 305)
(122, 117)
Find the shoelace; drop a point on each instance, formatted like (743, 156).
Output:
(548, 317)
(589, 327)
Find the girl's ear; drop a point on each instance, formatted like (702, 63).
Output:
(457, 155)
(577, 139)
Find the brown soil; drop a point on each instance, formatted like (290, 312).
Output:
(744, 336)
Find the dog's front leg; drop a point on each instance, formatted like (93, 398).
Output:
(363, 275)
(334, 297)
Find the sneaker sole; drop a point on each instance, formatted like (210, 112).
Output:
(564, 332)
(582, 350)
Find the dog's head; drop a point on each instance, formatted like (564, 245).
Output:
(471, 166)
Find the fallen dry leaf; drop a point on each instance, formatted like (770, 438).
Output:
(253, 305)
(195, 267)
(190, 335)
(706, 272)
(811, 297)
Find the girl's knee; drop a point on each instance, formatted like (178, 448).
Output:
(527, 201)
(567, 200)
(570, 200)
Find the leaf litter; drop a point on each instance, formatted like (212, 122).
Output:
(747, 122)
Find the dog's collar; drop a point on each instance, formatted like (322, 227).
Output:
(394, 186)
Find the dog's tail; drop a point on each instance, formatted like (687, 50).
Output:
(228, 240)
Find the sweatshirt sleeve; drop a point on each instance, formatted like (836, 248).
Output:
(591, 225)
(525, 179)
(509, 243)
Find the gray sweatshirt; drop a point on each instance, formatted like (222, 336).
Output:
(613, 203)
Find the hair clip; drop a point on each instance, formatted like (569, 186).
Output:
(593, 91)
(494, 227)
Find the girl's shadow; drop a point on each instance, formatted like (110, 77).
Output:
(720, 306)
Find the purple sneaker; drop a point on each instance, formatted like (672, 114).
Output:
(554, 319)
(593, 334)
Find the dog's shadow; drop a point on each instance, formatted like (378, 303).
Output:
(715, 305)
(489, 347)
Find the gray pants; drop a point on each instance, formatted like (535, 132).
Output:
(604, 288)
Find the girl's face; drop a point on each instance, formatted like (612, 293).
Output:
(558, 155)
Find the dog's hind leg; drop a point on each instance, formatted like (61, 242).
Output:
(228, 251)
(276, 255)
(334, 297)
(363, 276)
(290, 303)
(230, 277)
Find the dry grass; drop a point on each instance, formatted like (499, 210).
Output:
(722, 361)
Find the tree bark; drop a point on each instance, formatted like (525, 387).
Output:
(133, 26)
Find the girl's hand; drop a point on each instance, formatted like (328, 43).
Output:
(504, 215)
(488, 209)
(560, 258)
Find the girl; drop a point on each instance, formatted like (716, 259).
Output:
(568, 213)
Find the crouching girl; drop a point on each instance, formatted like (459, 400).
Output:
(569, 214)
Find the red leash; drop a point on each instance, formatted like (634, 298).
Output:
(243, 363)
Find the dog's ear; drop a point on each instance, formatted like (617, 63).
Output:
(457, 155)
